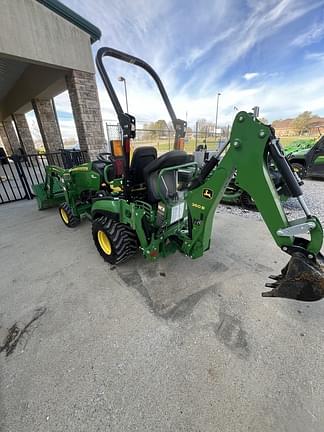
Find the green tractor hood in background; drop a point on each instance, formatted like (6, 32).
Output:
(298, 153)
(299, 146)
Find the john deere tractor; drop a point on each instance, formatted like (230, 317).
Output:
(159, 205)
(307, 160)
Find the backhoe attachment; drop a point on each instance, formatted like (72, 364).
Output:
(301, 279)
(247, 153)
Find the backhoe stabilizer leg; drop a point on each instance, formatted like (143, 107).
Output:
(301, 279)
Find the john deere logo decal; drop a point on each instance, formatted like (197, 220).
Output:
(208, 193)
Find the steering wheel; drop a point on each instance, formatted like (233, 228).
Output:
(102, 157)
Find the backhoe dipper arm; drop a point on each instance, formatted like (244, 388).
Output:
(250, 143)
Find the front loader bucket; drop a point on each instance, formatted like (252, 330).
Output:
(45, 200)
(301, 279)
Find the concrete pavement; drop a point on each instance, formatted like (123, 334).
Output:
(176, 345)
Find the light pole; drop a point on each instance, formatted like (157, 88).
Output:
(216, 119)
(125, 88)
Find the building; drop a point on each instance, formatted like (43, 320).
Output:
(45, 48)
(287, 128)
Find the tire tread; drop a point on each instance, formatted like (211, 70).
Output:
(123, 239)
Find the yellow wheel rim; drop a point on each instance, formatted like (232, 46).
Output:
(64, 215)
(104, 242)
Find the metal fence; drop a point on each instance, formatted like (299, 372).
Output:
(163, 139)
(18, 174)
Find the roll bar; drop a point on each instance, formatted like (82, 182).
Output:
(124, 118)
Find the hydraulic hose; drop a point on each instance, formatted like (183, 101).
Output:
(206, 169)
(284, 168)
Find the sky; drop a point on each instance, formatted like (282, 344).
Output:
(266, 53)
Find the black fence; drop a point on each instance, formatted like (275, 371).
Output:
(18, 173)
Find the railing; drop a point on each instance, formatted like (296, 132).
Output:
(18, 173)
(163, 139)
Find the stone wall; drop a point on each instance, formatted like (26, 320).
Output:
(4, 140)
(11, 135)
(24, 133)
(86, 111)
(48, 125)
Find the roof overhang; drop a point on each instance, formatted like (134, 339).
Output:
(72, 17)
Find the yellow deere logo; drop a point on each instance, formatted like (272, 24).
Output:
(208, 193)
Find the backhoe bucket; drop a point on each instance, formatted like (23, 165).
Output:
(301, 279)
(46, 200)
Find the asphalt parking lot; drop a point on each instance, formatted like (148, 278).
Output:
(176, 345)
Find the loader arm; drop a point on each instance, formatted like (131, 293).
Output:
(247, 152)
(51, 192)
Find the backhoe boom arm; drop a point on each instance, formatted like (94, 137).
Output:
(247, 154)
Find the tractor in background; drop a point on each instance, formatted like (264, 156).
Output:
(308, 161)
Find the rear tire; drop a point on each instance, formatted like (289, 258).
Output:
(67, 216)
(115, 241)
(247, 201)
(299, 169)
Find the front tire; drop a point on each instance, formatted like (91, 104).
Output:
(115, 241)
(67, 216)
(299, 169)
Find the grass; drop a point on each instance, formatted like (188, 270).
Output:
(163, 146)
(288, 140)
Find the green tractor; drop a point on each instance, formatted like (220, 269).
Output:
(160, 205)
(307, 160)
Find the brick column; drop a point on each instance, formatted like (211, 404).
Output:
(24, 133)
(86, 111)
(4, 139)
(48, 125)
(11, 135)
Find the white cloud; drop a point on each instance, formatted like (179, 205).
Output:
(276, 100)
(67, 128)
(194, 58)
(62, 102)
(315, 57)
(250, 75)
(264, 20)
(311, 36)
(198, 52)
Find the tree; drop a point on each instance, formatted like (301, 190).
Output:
(205, 127)
(155, 129)
(161, 125)
(302, 122)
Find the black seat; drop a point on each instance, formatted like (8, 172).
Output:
(99, 166)
(168, 186)
(142, 156)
